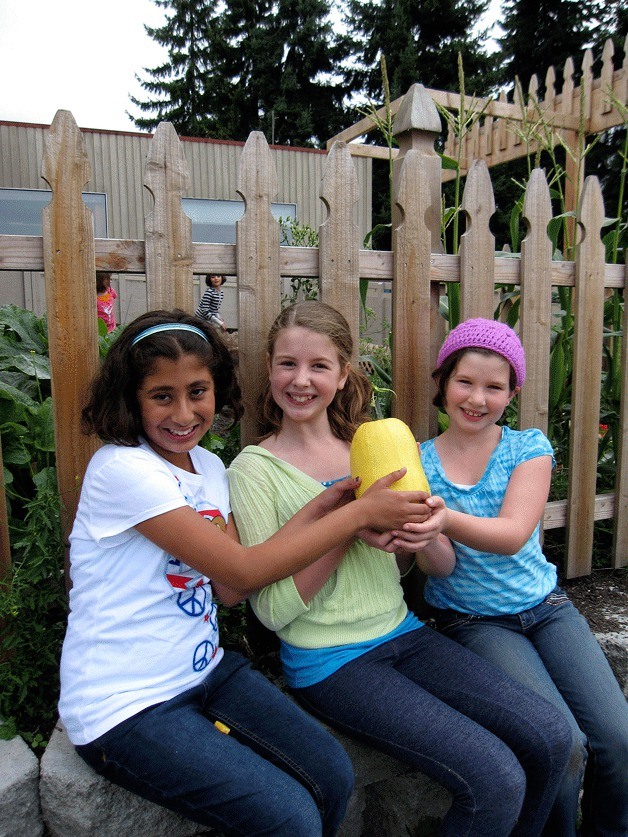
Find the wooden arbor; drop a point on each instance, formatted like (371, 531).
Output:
(502, 131)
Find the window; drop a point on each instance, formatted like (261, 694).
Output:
(215, 221)
(20, 211)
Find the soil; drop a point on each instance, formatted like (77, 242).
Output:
(603, 598)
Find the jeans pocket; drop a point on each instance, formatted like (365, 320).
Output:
(557, 597)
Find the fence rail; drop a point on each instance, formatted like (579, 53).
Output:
(417, 269)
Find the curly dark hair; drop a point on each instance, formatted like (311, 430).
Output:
(351, 405)
(112, 410)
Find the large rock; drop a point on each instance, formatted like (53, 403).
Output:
(76, 802)
(19, 790)
(389, 799)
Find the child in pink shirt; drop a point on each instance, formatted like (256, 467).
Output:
(105, 300)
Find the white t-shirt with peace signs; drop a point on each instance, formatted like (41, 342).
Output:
(142, 625)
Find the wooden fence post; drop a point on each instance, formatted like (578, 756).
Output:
(339, 246)
(257, 260)
(586, 387)
(416, 235)
(69, 266)
(477, 246)
(620, 539)
(167, 229)
(535, 309)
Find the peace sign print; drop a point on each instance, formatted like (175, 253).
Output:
(212, 616)
(193, 601)
(192, 595)
(203, 655)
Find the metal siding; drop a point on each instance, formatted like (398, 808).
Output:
(118, 162)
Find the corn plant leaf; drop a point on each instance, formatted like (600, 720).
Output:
(557, 373)
(41, 425)
(448, 162)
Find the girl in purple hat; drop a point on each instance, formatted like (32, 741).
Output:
(351, 651)
(502, 599)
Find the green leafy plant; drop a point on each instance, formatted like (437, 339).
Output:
(384, 124)
(460, 123)
(33, 612)
(32, 598)
(296, 234)
(375, 362)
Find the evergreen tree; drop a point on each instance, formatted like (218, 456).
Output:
(420, 41)
(246, 65)
(539, 34)
(177, 87)
(307, 104)
(241, 70)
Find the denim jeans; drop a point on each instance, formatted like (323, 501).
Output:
(551, 650)
(277, 772)
(497, 747)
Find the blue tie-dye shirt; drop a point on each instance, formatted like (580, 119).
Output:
(484, 582)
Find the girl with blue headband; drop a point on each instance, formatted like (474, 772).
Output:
(502, 600)
(148, 697)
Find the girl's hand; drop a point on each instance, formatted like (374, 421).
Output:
(390, 510)
(417, 536)
(434, 551)
(333, 497)
(379, 540)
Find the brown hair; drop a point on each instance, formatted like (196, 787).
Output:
(101, 279)
(351, 405)
(112, 411)
(447, 368)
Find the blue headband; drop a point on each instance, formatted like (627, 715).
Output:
(168, 327)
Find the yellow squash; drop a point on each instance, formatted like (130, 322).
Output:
(382, 446)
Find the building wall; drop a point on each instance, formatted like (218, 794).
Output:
(118, 162)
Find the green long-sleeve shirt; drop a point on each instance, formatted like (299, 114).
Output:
(361, 600)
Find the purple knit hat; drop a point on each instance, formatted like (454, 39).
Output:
(486, 334)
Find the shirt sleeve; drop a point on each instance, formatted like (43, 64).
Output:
(254, 507)
(531, 444)
(142, 487)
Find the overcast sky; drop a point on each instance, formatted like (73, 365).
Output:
(77, 55)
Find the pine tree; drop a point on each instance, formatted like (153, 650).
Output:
(539, 34)
(420, 42)
(241, 68)
(178, 86)
(246, 65)
(306, 106)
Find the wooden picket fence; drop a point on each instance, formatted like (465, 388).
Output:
(418, 270)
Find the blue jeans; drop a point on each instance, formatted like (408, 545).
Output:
(497, 747)
(277, 772)
(551, 650)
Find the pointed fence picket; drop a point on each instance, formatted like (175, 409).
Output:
(416, 267)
